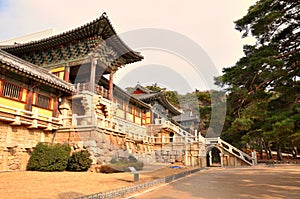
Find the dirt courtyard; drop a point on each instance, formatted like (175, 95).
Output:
(61, 185)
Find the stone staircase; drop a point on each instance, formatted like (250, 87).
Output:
(232, 150)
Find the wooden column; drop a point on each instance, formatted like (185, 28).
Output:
(67, 73)
(111, 85)
(55, 108)
(29, 98)
(93, 74)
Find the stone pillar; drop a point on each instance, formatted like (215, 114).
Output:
(64, 108)
(187, 160)
(210, 158)
(93, 74)
(221, 159)
(254, 160)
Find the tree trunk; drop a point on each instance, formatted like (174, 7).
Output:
(266, 150)
(279, 154)
(269, 151)
(261, 144)
(294, 152)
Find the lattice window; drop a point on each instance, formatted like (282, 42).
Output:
(43, 101)
(11, 90)
(121, 104)
(138, 112)
(130, 109)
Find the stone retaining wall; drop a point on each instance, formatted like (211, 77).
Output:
(17, 143)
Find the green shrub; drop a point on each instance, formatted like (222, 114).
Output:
(49, 157)
(113, 161)
(79, 161)
(131, 158)
(108, 169)
(122, 165)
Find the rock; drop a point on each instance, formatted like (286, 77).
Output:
(14, 166)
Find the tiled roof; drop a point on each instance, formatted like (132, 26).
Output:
(99, 27)
(149, 96)
(143, 96)
(119, 92)
(143, 89)
(32, 71)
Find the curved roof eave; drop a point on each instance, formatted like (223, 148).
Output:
(34, 72)
(98, 27)
(169, 106)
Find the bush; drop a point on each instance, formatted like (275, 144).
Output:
(108, 169)
(79, 161)
(131, 158)
(49, 157)
(122, 165)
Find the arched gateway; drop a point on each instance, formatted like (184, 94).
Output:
(214, 156)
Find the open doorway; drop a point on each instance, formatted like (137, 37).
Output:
(171, 136)
(213, 158)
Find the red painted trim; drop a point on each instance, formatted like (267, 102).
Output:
(36, 101)
(20, 94)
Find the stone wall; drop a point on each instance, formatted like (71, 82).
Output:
(178, 152)
(230, 160)
(105, 145)
(16, 144)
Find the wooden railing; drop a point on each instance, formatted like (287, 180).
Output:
(31, 118)
(100, 90)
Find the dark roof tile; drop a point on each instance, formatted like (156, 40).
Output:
(33, 71)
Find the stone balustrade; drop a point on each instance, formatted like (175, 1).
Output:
(31, 118)
(100, 90)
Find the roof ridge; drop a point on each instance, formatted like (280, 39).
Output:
(4, 47)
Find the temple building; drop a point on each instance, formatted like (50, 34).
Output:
(188, 120)
(60, 89)
(29, 114)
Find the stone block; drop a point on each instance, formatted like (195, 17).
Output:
(157, 152)
(90, 143)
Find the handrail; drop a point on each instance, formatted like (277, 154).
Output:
(236, 152)
(134, 130)
(168, 124)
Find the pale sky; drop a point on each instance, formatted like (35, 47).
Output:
(209, 24)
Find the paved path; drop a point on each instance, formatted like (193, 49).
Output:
(282, 181)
